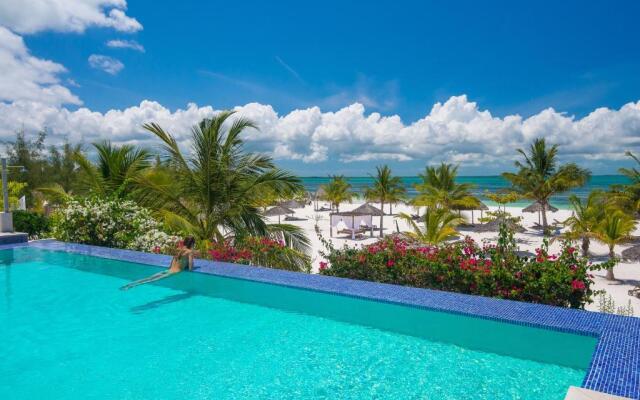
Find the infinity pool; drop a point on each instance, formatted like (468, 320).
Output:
(67, 332)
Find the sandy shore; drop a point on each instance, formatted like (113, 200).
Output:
(628, 274)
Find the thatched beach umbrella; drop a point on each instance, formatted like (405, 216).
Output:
(537, 207)
(494, 226)
(632, 253)
(482, 207)
(479, 206)
(278, 211)
(291, 204)
(319, 195)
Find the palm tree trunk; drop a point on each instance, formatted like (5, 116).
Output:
(612, 254)
(381, 218)
(585, 246)
(545, 227)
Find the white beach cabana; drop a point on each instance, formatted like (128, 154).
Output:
(353, 222)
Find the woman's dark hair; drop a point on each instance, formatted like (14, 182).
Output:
(189, 242)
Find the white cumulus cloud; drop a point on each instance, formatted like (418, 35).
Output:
(25, 77)
(125, 44)
(108, 64)
(32, 16)
(455, 131)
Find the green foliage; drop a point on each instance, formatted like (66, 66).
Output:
(41, 165)
(116, 170)
(501, 215)
(440, 190)
(440, 226)
(539, 176)
(386, 189)
(503, 197)
(607, 304)
(112, 223)
(214, 191)
(338, 191)
(16, 190)
(615, 227)
(261, 251)
(628, 196)
(36, 225)
(587, 215)
(464, 267)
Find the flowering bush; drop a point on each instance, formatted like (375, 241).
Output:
(112, 223)
(467, 267)
(262, 251)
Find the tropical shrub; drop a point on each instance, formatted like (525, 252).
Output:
(466, 267)
(261, 251)
(111, 223)
(34, 224)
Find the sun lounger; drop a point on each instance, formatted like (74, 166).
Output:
(289, 218)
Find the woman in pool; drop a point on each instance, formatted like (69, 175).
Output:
(181, 261)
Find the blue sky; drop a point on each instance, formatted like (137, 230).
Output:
(394, 58)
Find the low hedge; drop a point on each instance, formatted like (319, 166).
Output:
(466, 267)
(36, 225)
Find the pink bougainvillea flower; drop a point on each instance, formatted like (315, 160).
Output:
(323, 265)
(390, 263)
(577, 285)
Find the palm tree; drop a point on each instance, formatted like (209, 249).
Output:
(503, 197)
(440, 190)
(212, 192)
(630, 193)
(587, 215)
(114, 173)
(440, 226)
(612, 230)
(539, 177)
(337, 191)
(386, 189)
(116, 169)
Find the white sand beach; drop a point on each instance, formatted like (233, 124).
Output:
(627, 274)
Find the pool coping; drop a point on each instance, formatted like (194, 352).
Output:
(614, 368)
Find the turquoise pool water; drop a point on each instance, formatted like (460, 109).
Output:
(67, 332)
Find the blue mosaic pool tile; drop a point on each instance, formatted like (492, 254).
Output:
(614, 369)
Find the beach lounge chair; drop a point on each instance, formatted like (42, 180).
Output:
(291, 218)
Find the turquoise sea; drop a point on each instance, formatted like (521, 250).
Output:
(483, 184)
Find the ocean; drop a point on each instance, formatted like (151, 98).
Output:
(482, 184)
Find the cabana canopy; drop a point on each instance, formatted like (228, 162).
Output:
(352, 220)
(368, 209)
